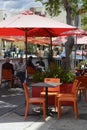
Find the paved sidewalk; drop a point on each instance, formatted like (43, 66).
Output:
(13, 121)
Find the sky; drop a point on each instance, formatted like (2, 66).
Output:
(18, 5)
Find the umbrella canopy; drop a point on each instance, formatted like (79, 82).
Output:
(25, 22)
(60, 39)
(74, 32)
(82, 39)
(34, 40)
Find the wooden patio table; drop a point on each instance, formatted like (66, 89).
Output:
(46, 86)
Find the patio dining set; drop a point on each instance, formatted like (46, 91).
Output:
(52, 87)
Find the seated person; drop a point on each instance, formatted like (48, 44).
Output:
(20, 68)
(85, 67)
(30, 63)
(40, 64)
(8, 65)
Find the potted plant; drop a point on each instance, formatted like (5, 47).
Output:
(66, 77)
(56, 72)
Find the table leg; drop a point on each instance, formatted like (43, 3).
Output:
(48, 111)
(46, 100)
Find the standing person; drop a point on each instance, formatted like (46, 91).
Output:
(17, 51)
(21, 70)
(14, 51)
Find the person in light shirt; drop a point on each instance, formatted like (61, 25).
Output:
(20, 68)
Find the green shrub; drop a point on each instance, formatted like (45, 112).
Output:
(55, 72)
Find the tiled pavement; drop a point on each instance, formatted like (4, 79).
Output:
(13, 120)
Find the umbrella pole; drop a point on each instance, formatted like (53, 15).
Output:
(26, 51)
(50, 52)
(51, 48)
(75, 52)
(82, 52)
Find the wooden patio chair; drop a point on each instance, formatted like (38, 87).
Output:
(69, 97)
(6, 75)
(83, 86)
(29, 101)
(52, 91)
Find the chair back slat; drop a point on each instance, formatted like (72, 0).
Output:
(75, 87)
(53, 80)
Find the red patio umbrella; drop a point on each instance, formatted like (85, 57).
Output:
(60, 39)
(24, 22)
(28, 24)
(78, 33)
(74, 32)
(82, 39)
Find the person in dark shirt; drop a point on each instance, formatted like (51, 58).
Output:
(8, 65)
(30, 63)
(40, 64)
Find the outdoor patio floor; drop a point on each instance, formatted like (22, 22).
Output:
(12, 107)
